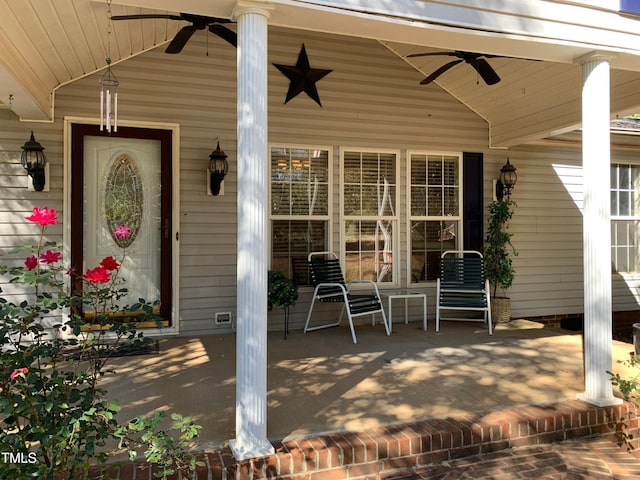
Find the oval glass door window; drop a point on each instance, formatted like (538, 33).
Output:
(123, 200)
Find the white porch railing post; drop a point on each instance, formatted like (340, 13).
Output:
(596, 164)
(253, 167)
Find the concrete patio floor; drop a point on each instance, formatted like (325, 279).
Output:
(321, 382)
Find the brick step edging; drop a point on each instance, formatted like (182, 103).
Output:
(373, 453)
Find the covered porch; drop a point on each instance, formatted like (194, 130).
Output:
(571, 63)
(321, 382)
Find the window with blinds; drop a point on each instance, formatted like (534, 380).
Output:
(625, 218)
(370, 217)
(300, 208)
(435, 216)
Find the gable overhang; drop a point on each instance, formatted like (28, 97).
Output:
(544, 103)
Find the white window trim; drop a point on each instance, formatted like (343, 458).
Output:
(328, 217)
(395, 269)
(628, 276)
(410, 217)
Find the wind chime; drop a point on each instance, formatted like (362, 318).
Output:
(108, 87)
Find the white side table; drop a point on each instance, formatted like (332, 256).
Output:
(405, 294)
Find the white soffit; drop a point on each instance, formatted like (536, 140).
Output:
(47, 44)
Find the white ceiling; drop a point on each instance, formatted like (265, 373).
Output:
(49, 43)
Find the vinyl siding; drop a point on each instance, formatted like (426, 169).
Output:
(371, 99)
(547, 228)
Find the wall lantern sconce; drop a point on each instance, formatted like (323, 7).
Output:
(506, 182)
(34, 162)
(218, 168)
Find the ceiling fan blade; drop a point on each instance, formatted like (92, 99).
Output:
(144, 16)
(507, 56)
(181, 39)
(439, 72)
(220, 20)
(485, 70)
(430, 54)
(224, 33)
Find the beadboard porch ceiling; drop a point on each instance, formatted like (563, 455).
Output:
(51, 43)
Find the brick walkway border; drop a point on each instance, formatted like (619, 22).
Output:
(375, 454)
(593, 458)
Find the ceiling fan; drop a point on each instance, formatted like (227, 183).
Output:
(198, 22)
(486, 71)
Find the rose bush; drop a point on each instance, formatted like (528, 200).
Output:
(53, 413)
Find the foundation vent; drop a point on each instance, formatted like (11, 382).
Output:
(223, 318)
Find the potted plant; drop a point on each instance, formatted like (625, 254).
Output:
(498, 254)
(282, 292)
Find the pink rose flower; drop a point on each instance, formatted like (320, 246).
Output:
(122, 231)
(43, 216)
(19, 372)
(98, 275)
(31, 262)
(50, 257)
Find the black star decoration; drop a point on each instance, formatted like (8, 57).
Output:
(303, 77)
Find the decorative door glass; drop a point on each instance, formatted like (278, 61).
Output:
(122, 186)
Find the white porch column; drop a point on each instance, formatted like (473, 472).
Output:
(596, 165)
(253, 167)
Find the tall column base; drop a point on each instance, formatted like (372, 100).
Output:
(251, 449)
(599, 402)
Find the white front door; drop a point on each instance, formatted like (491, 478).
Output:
(122, 188)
